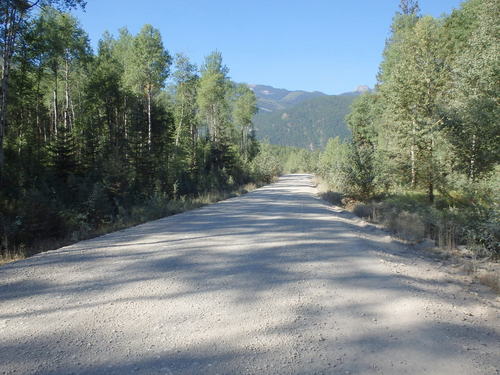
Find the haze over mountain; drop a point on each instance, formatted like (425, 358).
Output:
(301, 118)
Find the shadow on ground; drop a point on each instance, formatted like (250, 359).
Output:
(272, 282)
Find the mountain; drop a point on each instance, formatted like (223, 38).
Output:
(271, 99)
(359, 90)
(308, 124)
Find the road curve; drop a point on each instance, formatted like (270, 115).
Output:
(273, 282)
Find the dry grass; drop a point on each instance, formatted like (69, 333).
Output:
(490, 279)
(406, 225)
(469, 266)
(138, 215)
(10, 257)
(412, 227)
(325, 193)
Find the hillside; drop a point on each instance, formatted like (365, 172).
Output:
(308, 124)
(270, 99)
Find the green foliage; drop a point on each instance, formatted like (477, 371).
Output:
(245, 107)
(332, 163)
(266, 164)
(95, 142)
(473, 110)
(147, 63)
(425, 144)
(213, 91)
(63, 154)
(359, 175)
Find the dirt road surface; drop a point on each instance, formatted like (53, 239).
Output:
(273, 282)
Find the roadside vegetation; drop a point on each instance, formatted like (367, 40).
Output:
(152, 209)
(423, 159)
(95, 141)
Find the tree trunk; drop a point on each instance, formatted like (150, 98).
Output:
(10, 25)
(14, 12)
(116, 121)
(149, 118)
(110, 123)
(431, 172)
(193, 145)
(56, 114)
(41, 127)
(472, 164)
(430, 191)
(179, 126)
(214, 124)
(67, 122)
(412, 157)
(125, 125)
(3, 109)
(72, 107)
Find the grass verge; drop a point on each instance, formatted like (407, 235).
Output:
(469, 233)
(152, 210)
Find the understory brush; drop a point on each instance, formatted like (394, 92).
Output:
(469, 219)
(39, 225)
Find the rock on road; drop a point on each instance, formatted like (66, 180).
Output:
(273, 282)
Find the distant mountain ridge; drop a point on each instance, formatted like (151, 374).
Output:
(359, 90)
(271, 99)
(308, 124)
(301, 118)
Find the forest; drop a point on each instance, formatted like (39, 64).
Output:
(308, 124)
(425, 149)
(95, 141)
(92, 142)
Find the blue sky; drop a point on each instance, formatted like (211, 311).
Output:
(326, 45)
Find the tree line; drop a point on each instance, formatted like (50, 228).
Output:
(85, 137)
(432, 125)
(424, 151)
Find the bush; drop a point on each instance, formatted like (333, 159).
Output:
(363, 210)
(332, 197)
(409, 226)
(265, 167)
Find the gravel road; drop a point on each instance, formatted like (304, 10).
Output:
(273, 282)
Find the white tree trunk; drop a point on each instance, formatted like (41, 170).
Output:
(149, 119)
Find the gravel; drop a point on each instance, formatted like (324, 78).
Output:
(273, 282)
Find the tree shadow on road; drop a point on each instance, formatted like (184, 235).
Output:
(260, 258)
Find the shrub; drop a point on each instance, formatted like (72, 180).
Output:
(265, 167)
(332, 197)
(363, 210)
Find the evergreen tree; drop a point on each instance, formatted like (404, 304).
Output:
(185, 108)
(13, 20)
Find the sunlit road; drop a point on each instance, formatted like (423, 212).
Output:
(273, 282)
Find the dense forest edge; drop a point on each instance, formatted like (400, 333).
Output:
(93, 142)
(424, 155)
